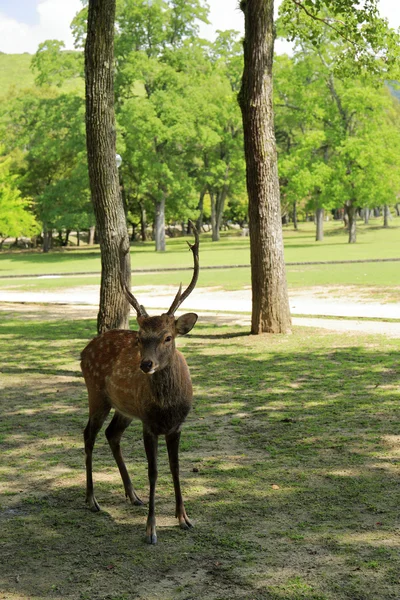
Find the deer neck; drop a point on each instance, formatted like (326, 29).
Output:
(166, 384)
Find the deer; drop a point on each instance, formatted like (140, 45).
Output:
(141, 375)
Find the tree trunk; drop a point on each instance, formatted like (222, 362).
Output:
(47, 239)
(159, 225)
(78, 238)
(386, 216)
(143, 222)
(351, 214)
(91, 235)
(200, 207)
(221, 197)
(270, 304)
(295, 225)
(319, 221)
(103, 174)
(397, 208)
(214, 228)
(366, 215)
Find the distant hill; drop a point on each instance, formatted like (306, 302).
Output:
(15, 72)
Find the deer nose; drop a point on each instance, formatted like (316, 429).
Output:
(146, 366)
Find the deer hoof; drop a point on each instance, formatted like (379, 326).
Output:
(93, 504)
(151, 539)
(134, 499)
(185, 523)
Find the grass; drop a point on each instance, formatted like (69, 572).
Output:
(295, 441)
(16, 75)
(373, 243)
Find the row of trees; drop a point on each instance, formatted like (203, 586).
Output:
(179, 127)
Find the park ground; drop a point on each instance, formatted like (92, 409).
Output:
(289, 463)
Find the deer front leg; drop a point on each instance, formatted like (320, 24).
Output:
(151, 445)
(172, 440)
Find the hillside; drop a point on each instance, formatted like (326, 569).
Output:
(16, 73)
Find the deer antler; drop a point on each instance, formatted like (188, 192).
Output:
(179, 298)
(123, 252)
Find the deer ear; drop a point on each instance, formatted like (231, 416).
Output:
(185, 323)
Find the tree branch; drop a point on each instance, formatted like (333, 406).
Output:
(326, 21)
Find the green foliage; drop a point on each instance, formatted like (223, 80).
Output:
(48, 130)
(54, 65)
(16, 218)
(368, 42)
(338, 135)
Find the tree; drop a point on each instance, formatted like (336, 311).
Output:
(16, 218)
(103, 175)
(45, 131)
(270, 304)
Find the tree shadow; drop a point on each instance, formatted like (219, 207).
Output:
(288, 462)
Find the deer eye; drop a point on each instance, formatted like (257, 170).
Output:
(168, 338)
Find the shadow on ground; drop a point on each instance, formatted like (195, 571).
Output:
(289, 465)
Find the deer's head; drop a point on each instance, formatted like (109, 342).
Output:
(157, 335)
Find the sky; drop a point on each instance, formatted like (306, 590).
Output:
(26, 23)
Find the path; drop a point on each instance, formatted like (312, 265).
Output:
(230, 307)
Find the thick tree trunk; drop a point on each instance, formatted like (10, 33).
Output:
(159, 225)
(270, 304)
(366, 215)
(397, 208)
(319, 222)
(103, 175)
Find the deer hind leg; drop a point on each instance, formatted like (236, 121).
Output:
(114, 433)
(172, 441)
(96, 420)
(151, 445)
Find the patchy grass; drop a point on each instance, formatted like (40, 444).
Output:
(295, 442)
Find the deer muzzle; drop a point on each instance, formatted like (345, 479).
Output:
(148, 367)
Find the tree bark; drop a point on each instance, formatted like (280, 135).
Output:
(386, 216)
(295, 224)
(159, 225)
(351, 214)
(47, 240)
(200, 207)
(103, 174)
(143, 222)
(270, 304)
(366, 215)
(91, 235)
(319, 221)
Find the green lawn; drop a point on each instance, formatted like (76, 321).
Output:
(289, 468)
(373, 242)
(231, 250)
